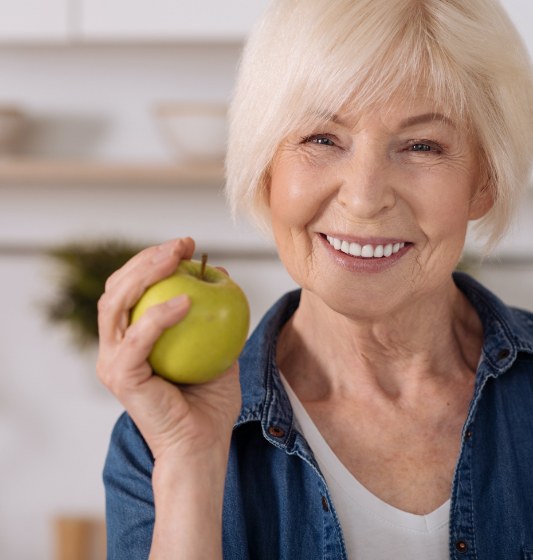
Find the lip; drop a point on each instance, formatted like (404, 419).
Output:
(362, 264)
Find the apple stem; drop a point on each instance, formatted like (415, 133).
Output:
(204, 262)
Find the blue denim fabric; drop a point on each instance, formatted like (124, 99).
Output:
(277, 505)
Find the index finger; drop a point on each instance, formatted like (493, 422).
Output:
(184, 245)
(128, 283)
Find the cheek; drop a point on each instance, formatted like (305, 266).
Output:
(448, 213)
(296, 196)
(443, 223)
(442, 203)
(291, 207)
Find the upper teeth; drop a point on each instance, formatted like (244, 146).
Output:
(366, 251)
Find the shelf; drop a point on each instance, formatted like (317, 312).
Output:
(25, 249)
(70, 172)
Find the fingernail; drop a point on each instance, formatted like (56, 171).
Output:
(178, 301)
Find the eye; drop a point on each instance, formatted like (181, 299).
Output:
(421, 148)
(320, 139)
(424, 146)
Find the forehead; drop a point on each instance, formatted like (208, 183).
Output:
(406, 107)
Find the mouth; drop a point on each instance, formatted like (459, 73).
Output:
(366, 250)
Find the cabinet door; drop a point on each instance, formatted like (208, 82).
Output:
(175, 20)
(34, 20)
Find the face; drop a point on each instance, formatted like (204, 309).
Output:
(375, 207)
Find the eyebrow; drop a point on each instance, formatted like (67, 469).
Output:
(336, 119)
(406, 123)
(426, 117)
(329, 117)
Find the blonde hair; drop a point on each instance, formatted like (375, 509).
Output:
(307, 58)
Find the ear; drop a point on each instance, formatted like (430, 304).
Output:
(482, 200)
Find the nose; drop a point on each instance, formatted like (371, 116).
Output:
(366, 188)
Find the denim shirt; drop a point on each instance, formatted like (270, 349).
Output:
(276, 502)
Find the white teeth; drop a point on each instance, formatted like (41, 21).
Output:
(355, 249)
(366, 251)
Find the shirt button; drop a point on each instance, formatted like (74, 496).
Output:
(468, 434)
(276, 431)
(461, 547)
(325, 505)
(504, 353)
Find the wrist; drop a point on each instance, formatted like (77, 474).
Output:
(173, 467)
(188, 497)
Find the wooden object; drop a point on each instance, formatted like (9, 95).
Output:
(79, 538)
(44, 172)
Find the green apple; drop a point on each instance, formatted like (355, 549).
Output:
(211, 336)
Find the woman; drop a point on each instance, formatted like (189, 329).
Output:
(386, 407)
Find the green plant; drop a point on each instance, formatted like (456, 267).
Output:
(83, 271)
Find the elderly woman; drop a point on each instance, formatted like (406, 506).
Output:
(385, 409)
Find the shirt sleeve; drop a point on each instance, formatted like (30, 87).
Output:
(129, 497)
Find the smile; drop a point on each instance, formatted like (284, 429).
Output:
(367, 251)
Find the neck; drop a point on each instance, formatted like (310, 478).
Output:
(432, 343)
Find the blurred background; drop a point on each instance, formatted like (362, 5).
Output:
(112, 131)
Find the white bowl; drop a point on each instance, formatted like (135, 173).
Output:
(194, 132)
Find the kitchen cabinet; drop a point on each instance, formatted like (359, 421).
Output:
(61, 21)
(31, 21)
(168, 20)
(34, 21)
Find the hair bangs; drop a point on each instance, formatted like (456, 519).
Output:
(313, 58)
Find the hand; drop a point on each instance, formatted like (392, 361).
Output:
(175, 421)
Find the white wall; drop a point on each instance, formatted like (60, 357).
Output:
(96, 101)
(54, 417)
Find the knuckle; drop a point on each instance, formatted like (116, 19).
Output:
(104, 303)
(151, 317)
(110, 281)
(138, 338)
(131, 336)
(146, 330)
(153, 249)
(110, 374)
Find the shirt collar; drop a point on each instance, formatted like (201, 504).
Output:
(507, 332)
(263, 396)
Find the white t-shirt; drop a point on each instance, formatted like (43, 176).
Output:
(372, 529)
